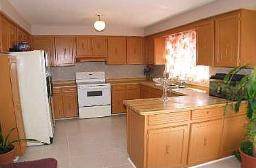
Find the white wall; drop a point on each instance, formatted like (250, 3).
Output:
(7, 8)
(214, 8)
(86, 30)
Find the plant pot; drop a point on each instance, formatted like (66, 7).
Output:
(8, 157)
(247, 161)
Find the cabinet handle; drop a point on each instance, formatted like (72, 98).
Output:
(65, 50)
(167, 149)
(205, 141)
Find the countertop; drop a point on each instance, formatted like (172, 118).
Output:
(190, 99)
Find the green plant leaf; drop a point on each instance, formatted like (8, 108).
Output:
(6, 139)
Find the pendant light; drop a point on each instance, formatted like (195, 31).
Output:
(99, 25)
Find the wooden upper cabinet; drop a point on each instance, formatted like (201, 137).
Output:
(22, 36)
(65, 51)
(159, 51)
(227, 37)
(84, 46)
(135, 50)
(8, 35)
(204, 144)
(205, 42)
(167, 147)
(149, 50)
(45, 43)
(99, 46)
(116, 50)
(91, 48)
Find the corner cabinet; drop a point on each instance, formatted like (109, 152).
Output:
(235, 39)
(65, 51)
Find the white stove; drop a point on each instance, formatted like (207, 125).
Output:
(94, 95)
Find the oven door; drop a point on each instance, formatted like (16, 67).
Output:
(94, 95)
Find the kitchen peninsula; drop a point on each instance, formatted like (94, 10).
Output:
(187, 130)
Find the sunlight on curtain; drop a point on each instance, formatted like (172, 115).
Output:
(181, 58)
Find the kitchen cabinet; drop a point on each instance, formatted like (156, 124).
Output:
(10, 106)
(151, 92)
(234, 131)
(91, 48)
(167, 147)
(234, 39)
(45, 43)
(205, 42)
(64, 101)
(121, 92)
(23, 36)
(204, 144)
(65, 51)
(155, 50)
(116, 50)
(118, 96)
(135, 50)
(8, 35)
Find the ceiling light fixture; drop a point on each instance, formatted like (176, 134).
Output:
(99, 25)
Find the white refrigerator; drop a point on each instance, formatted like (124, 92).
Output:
(35, 95)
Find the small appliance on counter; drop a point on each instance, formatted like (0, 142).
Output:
(20, 47)
(218, 88)
(94, 95)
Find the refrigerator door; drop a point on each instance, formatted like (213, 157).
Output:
(34, 95)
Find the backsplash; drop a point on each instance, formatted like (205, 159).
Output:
(112, 71)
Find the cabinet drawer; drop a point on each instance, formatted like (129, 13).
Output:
(69, 89)
(56, 90)
(119, 87)
(168, 118)
(199, 114)
(133, 86)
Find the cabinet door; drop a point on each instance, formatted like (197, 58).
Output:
(159, 51)
(116, 50)
(149, 50)
(21, 35)
(234, 131)
(99, 46)
(205, 141)
(64, 51)
(45, 43)
(167, 147)
(118, 96)
(133, 91)
(5, 35)
(205, 43)
(13, 35)
(57, 103)
(70, 101)
(84, 46)
(145, 92)
(135, 50)
(227, 40)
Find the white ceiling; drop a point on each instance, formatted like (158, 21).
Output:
(131, 13)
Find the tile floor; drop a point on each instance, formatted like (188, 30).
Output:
(94, 143)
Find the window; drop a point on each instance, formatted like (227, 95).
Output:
(181, 58)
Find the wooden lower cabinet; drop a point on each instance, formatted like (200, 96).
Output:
(183, 139)
(167, 147)
(234, 131)
(121, 92)
(205, 141)
(64, 102)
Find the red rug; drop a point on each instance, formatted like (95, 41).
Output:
(43, 163)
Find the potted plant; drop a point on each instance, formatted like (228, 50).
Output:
(247, 93)
(7, 149)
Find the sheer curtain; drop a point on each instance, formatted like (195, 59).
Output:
(181, 58)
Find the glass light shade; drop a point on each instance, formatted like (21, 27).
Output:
(99, 25)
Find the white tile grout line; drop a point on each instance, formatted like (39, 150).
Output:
(214, 161)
